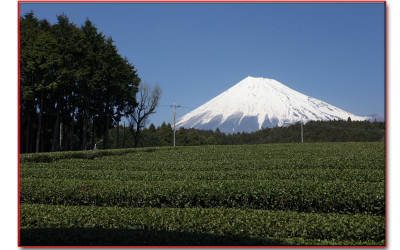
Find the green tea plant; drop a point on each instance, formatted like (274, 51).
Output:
(274, 194)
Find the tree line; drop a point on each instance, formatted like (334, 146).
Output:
(313, 131)
(74, 86)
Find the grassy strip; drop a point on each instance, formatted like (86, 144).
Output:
(155, 162)
(353, 175)
(49, 224)
(271, 156)
(306, 196)
(55, 156)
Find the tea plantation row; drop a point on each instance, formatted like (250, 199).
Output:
(305, 196)
(191, 226)
(353, 175)
(277, 194)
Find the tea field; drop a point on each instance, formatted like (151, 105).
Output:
(325, 194)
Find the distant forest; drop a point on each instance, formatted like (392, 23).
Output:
(314, 131)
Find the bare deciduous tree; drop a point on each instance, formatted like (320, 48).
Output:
(147, 100)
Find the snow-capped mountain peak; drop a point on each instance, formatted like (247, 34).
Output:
(256, 103)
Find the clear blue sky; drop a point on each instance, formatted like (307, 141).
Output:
(195, 51)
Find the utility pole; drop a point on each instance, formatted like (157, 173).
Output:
(95, 145)
(175, 106)
(61, 134)
(123, 139)
(301, 124)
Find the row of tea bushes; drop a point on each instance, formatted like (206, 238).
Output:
(191, 226)
(307, 196)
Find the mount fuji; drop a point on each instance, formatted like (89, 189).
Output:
(256, 103)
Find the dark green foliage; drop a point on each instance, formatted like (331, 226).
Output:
(55, 156)
(352, 155)
(348, 175)
(314, 131)
(319, 131)
(304, 196)
(74, 85)
(273, 194)
(193, 226)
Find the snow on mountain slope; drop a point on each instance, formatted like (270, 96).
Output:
(256, 103)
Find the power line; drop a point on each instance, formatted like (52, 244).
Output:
(169, 105)
(188, 107)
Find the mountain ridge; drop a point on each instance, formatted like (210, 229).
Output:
(255, 103)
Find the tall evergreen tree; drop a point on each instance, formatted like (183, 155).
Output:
(70, 79)
(28, 33)
(90, 77)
